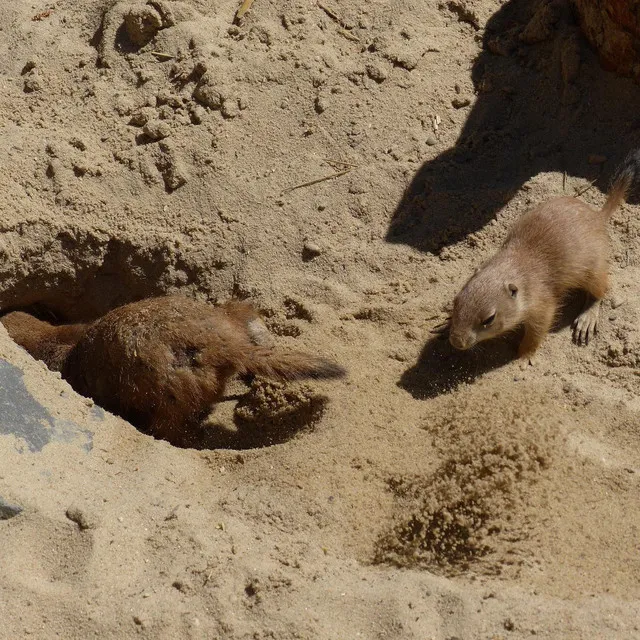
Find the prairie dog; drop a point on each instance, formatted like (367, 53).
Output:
(44, 341)
(560, 245)
(163, 362)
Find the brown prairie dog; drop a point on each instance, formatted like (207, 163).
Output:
(44, 341)
(163, 362)
(558, 246)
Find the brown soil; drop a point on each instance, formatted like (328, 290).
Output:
(154, 147)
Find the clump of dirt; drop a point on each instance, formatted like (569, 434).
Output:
(272, 412)
(480, 501)
(465, 508)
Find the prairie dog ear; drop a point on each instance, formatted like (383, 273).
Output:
(512, 289)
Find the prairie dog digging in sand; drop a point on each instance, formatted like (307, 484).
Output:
(558, 246)
(163, 362)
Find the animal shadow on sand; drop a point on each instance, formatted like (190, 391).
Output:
(257, 421)
(441, 369)
(543, 104)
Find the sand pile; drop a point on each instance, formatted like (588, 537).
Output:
(483, 499)
(345, 165)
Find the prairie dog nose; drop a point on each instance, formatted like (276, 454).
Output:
(458, 342)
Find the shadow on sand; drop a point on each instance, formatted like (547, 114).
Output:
(543, 104)
(440, 368)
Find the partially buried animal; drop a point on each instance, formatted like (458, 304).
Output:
(558, 246)
(163, 362)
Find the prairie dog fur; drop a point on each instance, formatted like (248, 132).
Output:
(163, 362)
(44, 341)
(558, 246)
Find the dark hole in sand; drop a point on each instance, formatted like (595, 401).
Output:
(76, 275)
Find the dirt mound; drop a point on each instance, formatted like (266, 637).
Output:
(478, 504)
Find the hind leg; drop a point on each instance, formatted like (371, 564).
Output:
(585, 326)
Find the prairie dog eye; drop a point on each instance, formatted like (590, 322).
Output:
(487, 322)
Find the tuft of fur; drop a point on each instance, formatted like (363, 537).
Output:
(625, 177)
(288, 365)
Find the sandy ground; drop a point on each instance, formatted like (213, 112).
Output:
(155, 147)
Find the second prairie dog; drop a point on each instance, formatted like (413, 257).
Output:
(558, 246)
(163, 362)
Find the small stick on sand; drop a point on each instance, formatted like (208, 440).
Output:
(585, 189)
(330, 13)
(348, 36)
(244, 7)
(345, 31)
(159, 54)
(341, 162)
(312, 182)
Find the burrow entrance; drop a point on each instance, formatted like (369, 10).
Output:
(72, 274)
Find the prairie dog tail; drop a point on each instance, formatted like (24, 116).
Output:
(288, 365)
(626, 175)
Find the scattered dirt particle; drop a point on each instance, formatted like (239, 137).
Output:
(377, 72)
(459, 103)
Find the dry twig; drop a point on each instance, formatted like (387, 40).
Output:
(585, 189)
(312, 182)
(244, 7)
(341, 162)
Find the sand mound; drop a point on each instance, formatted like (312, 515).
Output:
(478, 504)
(346, 165)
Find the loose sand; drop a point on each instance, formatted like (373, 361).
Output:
(155, 147)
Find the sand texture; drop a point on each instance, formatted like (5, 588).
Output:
(153, 147)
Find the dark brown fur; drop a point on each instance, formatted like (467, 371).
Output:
(44, 341)
(163, 362)
(558, 246)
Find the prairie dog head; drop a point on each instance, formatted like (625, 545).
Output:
(489, 305)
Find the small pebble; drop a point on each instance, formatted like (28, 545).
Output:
(197, 114)
(616, 302)
(230, 109)
(139, 621)
(139, 119)
(431, 141)
(156, 130)
(207, 94)
(377, 73)
(8, 511)
(310, 250)
(320, 105)
(459, 103)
